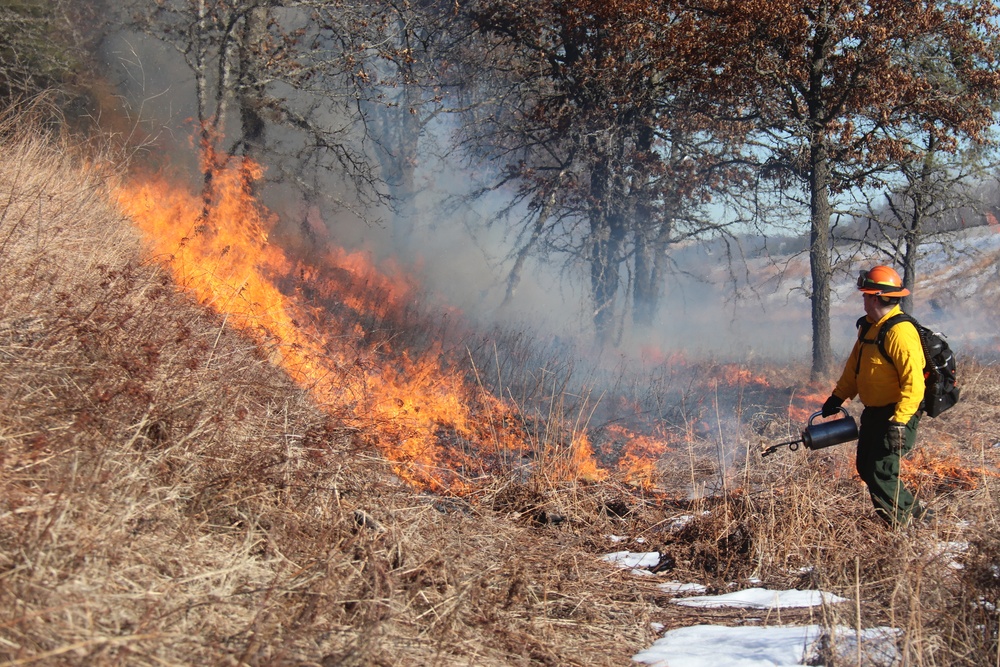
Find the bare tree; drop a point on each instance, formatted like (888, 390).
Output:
(416, 86)
(934, 180)
(827, 78)
(935, 199)
(283, 80)
(589, 112)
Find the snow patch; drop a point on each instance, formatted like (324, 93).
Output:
(776, 646)
(762, 598)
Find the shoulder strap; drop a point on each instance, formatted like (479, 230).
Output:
(864, 326)
(890, 323)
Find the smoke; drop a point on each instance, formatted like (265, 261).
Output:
(462, 257)
(156, 98)
(450, 243)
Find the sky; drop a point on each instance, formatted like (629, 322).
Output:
(756, 643)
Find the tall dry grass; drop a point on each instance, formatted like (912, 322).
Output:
(167, 496)
(803, 520)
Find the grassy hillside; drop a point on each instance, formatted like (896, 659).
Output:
(169, 496)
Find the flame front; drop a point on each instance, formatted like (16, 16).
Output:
(420, 410)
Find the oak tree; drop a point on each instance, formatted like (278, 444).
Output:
(593, 123)
(828, 80)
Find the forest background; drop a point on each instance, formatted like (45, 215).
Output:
(595, 149)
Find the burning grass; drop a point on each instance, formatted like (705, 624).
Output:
(189, 484)
(169, 494)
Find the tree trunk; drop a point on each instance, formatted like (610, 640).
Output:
(212, 109)
(397, 151)
(819, 259)
(606, 240)
(646, 289)
(604, 265)
(649, 243)
(914, 234)
(250, 90)
(650, 268)
(911, 246)
(819, 199)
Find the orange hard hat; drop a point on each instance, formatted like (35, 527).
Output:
(882, 281)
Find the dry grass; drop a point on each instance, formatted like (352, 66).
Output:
(167, 496)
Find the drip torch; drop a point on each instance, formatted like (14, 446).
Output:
(822, 435)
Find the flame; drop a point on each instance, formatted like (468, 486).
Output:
(803, 405)
(417, 406)
(338, 325)
(932, 468)
(637, 454)
(654, 356)
(736, 376)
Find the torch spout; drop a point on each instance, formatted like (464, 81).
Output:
(792, 445)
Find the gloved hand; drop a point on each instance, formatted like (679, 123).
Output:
(831, 406)
(896, 437)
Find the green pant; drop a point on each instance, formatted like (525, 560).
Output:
(878, 465)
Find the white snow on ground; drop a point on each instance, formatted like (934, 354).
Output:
(627, 559)
(762, 598)
(952, 551)
(757, 646)
(775, 646)
(682, 521)
(678, 587)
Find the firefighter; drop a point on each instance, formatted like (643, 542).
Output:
(890, 392)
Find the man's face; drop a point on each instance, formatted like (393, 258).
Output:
(871, 306)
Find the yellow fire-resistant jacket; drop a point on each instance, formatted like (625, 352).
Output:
(876, 381)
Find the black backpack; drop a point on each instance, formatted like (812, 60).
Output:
(941, 381)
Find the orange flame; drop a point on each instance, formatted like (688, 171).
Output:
(417, 408)
(803, 406)
(637, 454)
(735, 376)
(930, 468)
